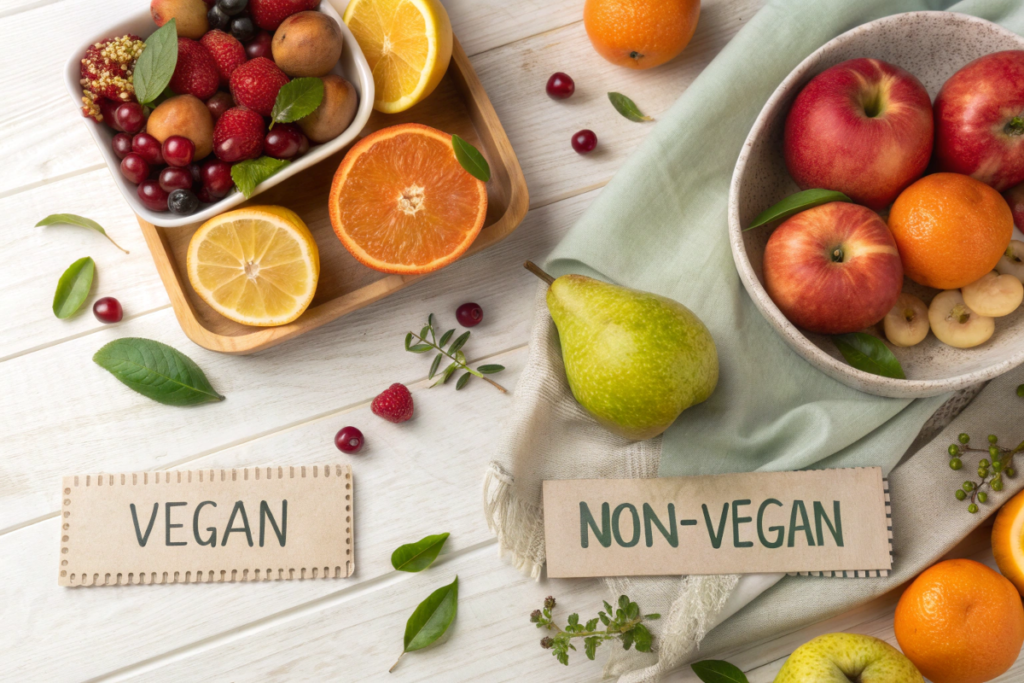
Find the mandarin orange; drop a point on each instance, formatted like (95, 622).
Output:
(640, 34)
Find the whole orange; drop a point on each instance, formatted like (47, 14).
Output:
(640, 34)
(950, 229)
(960, 622)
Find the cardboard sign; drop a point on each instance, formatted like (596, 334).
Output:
(834, 522)
(252, 524)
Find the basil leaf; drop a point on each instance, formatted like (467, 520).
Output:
(870, 354)
(490, 369)
(81, 221)
(717, 671)
(155, 66)
(433, 617)
(470, 158)
(463, 381)
(415, 557)
(627, 107)
(156, 371)
(251, 172)
(296, 99)
(795, 203)
(73, 287)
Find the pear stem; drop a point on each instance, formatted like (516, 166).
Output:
(535, 269)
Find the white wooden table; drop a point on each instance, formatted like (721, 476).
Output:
(60, 413)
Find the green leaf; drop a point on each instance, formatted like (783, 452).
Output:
(591, 625)
(573, 619)
(795, 203)
(430, 320)
(870, 354)
(420, 348)
(642, 637)
(652, 616)
(459, 343)
(156, 371)
(298, 98)
(434, 365)
(632, 610)
(432, 617)
(627, 107)
(251, 172)
(423, 331)
(408, 341)
(623, 602)
(463, 381)
(603, 617)
(80, 221)
(470, 158)
(608, 608)
(627, 640)
(73, 287)
(155, 65)
(717, 671)
(448, 372)
(590, 646)
(490, 369)
(445, 337)
(415, 557)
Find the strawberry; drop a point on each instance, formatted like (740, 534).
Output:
(268, 14)
(255, 85)
(238, 135)
(394, 404)
(196, 72)
(228, 54)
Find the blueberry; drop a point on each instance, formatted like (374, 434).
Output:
(242, 28)
(182, 202)
(232, 7)
(218, 19)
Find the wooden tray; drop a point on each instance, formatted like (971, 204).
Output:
(458, 105)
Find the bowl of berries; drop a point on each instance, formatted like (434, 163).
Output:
(233, 97)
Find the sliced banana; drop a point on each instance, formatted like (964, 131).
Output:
(994, 295)
(1012, 262)
(954, 323)
(907, 323)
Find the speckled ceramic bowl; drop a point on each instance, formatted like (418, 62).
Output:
(932, 46)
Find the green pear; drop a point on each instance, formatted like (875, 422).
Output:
(845, 657)
(634, 360)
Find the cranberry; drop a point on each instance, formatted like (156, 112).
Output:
(560, 86)
(469, 315)
(182, 202)
(584, 141)
(152, 195)
(148, 147)
(217, 177)
(219, 103)
(349, 440)
(174, 178)
(259, 46)
(178, 150)
(122, 145)
(130, 117)
(108, 310)
(242, 28)
(284, 141)
(134, 168)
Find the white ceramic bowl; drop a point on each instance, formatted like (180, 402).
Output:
(932, 46)
(352, 66)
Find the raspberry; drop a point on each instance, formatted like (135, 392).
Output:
(228, 54)
(255, 85)
(238, 135)
(196, 72)
(394, 404)
(268, 14)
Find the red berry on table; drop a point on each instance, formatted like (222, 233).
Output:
(129, 117)
(216, 178)
(228, 54)
(153, 196)
(218, 104)
(268, 14)
(148, 147)
(560, 86)
(349, 440)
(134, 168)
(394, 404)
(122, 144)
(469, 315)
(238, 135)
(584, 141)
(195, 72)
(285, 141)
(260, 45)
(108, 310)
(255, 85)
(178, 150)
(174, 178)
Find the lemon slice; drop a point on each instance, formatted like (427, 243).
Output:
(257, 266)
(408, 44)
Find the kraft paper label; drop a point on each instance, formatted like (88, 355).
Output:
(211, 525)
(832, 522)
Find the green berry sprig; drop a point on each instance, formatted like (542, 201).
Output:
(624, 623)
(991, 470)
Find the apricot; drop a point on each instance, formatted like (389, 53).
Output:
(184, 115)
(307, 44)
(189, 16)
(334, 114)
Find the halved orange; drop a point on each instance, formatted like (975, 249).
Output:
(401, 203)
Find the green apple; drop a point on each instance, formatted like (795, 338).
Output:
(846, 658)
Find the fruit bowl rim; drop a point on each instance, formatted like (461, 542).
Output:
(102, 134)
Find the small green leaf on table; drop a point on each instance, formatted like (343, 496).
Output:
(81, 221)
(415, 557)
(431, 619)
(627, 107)
(251, 172)
(156, 371)
(470, 158)
(296, 99)
(73, 287)
(795, 203)
(155, 66)
(717, 671)
(870, 354)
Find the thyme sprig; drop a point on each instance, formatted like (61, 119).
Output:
(624, 623)
(427, 341)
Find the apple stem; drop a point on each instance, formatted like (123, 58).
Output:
(535, 269)
(837, 255)
(1015, 126)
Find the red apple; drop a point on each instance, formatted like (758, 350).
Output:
(833, 269)
(864, 128)
(979, 120)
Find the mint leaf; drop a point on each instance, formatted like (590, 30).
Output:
(795, 203)
(73, 287)
(156, 371)
(470, 158)
(80, 221)
(627, 107)
(296, 99)
(870, 354)
(251, 172)
(155, 66)
(717, 671)
(415, 557)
